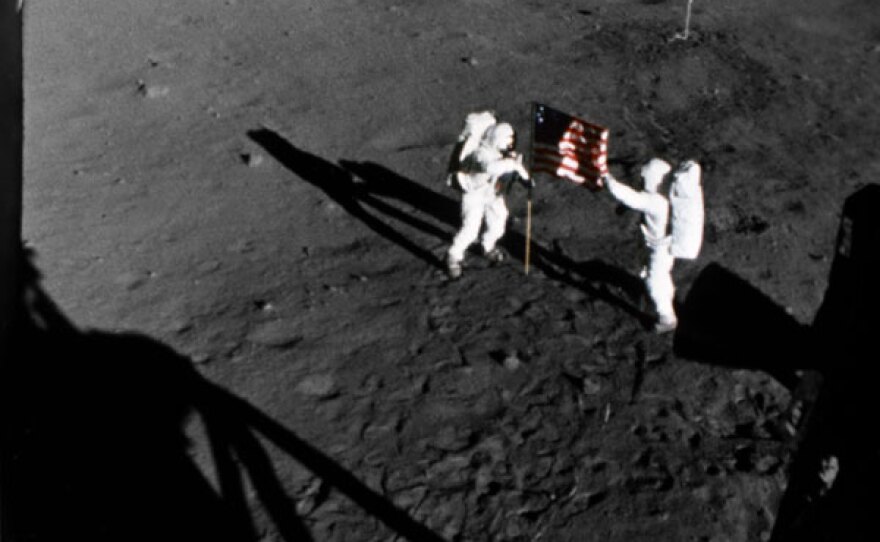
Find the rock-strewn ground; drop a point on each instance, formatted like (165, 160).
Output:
(258, 186)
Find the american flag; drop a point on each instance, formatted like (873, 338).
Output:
(568, 147)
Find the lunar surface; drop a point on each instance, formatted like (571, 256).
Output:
(244, 329)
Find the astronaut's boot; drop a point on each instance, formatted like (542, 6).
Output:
(665, 323)
(453, 267)
(496, 255)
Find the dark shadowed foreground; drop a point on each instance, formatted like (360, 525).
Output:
(98, 452)
(311, 373)
(830, 366)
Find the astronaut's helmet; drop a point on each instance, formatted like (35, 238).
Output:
(653, 173)
(501, 137)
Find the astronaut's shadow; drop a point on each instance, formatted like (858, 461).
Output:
(726, 321)
(366, 191)
(358, 195)
(598, 278)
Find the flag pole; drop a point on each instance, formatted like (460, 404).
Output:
(529, 202)
(528, 228)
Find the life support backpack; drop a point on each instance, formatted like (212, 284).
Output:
(688, 215)
(475, 126)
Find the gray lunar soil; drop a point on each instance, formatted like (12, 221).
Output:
(242, 206)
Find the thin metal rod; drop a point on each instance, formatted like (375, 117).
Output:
(529, 203)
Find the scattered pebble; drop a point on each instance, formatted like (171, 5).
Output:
(263, 305)
(152, 91)
(131, 280)
(208, 266)
(276, 333)
(321, 386)
(200, 358)
(767, 464)
(241, 246)
(512, 362)
(251, 159)
(180, 326)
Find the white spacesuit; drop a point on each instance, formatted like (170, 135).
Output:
(657, 272)
(482, 176)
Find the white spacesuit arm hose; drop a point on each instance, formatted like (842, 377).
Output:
(508, 165)
(639, 201)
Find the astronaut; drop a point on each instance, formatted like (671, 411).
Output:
(655, 209)
(483, 175)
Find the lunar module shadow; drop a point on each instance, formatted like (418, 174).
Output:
(831, 368)
(94, 443)
(372, 192)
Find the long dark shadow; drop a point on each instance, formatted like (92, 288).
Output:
(831, 491)
(840, 429)
(726, 321)
(100, 451)
(381, 181)
(97, 440)
(229, 475)
(277, 503)
(593, 276)
(358, 185)
(331, 472)
(339, 185)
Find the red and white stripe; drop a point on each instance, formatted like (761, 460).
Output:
(581, 154)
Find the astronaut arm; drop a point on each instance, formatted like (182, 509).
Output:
(633, 199)
(454, 164)
(507, 165)
(455, 158)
